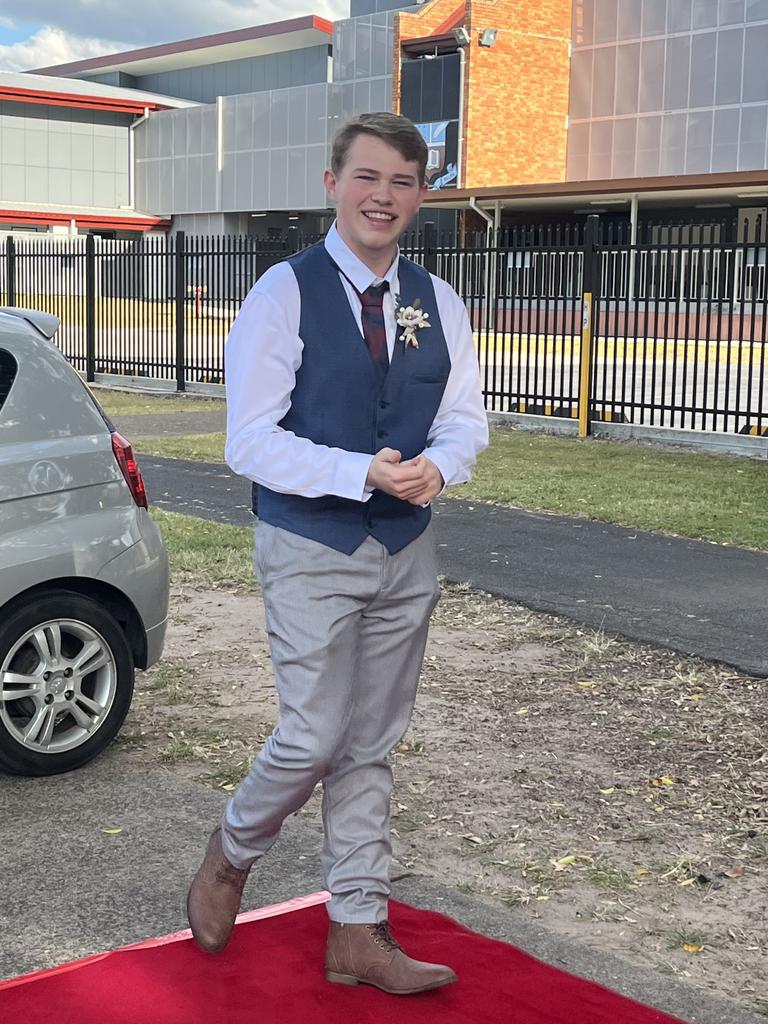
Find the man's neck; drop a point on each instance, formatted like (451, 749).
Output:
(377, 261)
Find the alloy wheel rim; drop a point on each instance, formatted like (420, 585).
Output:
(57, 685)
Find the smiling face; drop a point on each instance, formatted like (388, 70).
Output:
(377, 193)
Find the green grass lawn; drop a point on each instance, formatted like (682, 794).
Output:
(199, 448)
(116, 403)
(712, 497)
(204, 553)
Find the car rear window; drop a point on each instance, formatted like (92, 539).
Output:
(8, 369)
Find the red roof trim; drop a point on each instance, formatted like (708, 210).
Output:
(76, 100)
(87, 220)
(451, 22)
(276, 28)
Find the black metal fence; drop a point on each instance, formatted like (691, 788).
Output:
(672, 324)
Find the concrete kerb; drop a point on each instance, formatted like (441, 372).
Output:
(690, 440)
(156, 386)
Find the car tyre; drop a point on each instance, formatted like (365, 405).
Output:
(66, 683)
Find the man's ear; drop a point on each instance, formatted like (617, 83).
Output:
(423, 193)
(329, 180)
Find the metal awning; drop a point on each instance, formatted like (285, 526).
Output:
(742, 188)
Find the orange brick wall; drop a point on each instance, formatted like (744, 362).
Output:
(515, 93)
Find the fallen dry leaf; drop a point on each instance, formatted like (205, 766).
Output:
(733, 872)
(663, 780)
(563, 862)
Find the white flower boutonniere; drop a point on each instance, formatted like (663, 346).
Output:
(412, 318)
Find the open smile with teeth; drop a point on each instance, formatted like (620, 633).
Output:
(377, 215)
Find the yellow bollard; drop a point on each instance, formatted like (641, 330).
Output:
(585, 365)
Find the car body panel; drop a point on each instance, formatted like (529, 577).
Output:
(141, 573)
(66, 510)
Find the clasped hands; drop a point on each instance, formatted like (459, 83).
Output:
(417, 480)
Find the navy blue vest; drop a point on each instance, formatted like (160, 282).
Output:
(342, 400)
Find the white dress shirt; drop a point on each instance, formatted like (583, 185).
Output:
(263, 353)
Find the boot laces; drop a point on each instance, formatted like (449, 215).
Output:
(383, 936)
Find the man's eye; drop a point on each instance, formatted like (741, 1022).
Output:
(365, 177)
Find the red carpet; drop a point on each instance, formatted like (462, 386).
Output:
(271, 974)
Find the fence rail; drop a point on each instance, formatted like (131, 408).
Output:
(677, 326)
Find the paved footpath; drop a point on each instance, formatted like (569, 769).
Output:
(691, 596)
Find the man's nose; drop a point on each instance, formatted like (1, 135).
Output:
(382, 193)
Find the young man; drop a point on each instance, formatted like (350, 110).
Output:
(349, 430)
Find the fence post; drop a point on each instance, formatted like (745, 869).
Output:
(90, 308)
(293, 239)
(10, 253)
(429, 236)
(589, 292)
(181, 290)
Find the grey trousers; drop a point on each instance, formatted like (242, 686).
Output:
(347, 636)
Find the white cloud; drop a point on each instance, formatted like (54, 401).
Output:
(52, 46)
(75, 26)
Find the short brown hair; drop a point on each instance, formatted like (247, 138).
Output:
(395, 130)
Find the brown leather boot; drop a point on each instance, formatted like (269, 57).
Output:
(213, 900)
(367, 953)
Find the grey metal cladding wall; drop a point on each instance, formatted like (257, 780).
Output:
(65, 157)
(274, 147)
(118, 78)
(176, 161)
(668, 87)
(362, 67)
(250, 74)
(361, 7)
(362, 47)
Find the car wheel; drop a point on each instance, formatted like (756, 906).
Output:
(66, 682)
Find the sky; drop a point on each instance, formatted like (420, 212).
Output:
(40, 33)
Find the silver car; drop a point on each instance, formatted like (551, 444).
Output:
(83, 569)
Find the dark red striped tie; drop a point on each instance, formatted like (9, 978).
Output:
(374, 331)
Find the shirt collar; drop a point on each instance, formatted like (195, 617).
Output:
(362, 277)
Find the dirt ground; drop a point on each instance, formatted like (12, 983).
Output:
(614, 792)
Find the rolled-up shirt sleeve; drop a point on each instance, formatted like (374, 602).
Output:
(459, 431)
(261, 356)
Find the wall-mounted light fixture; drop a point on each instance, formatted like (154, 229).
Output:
(461, 35)
(488, 36)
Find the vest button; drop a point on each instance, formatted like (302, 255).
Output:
(382, 433)
(383, 405)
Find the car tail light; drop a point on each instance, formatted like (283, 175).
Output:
(130, 467)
